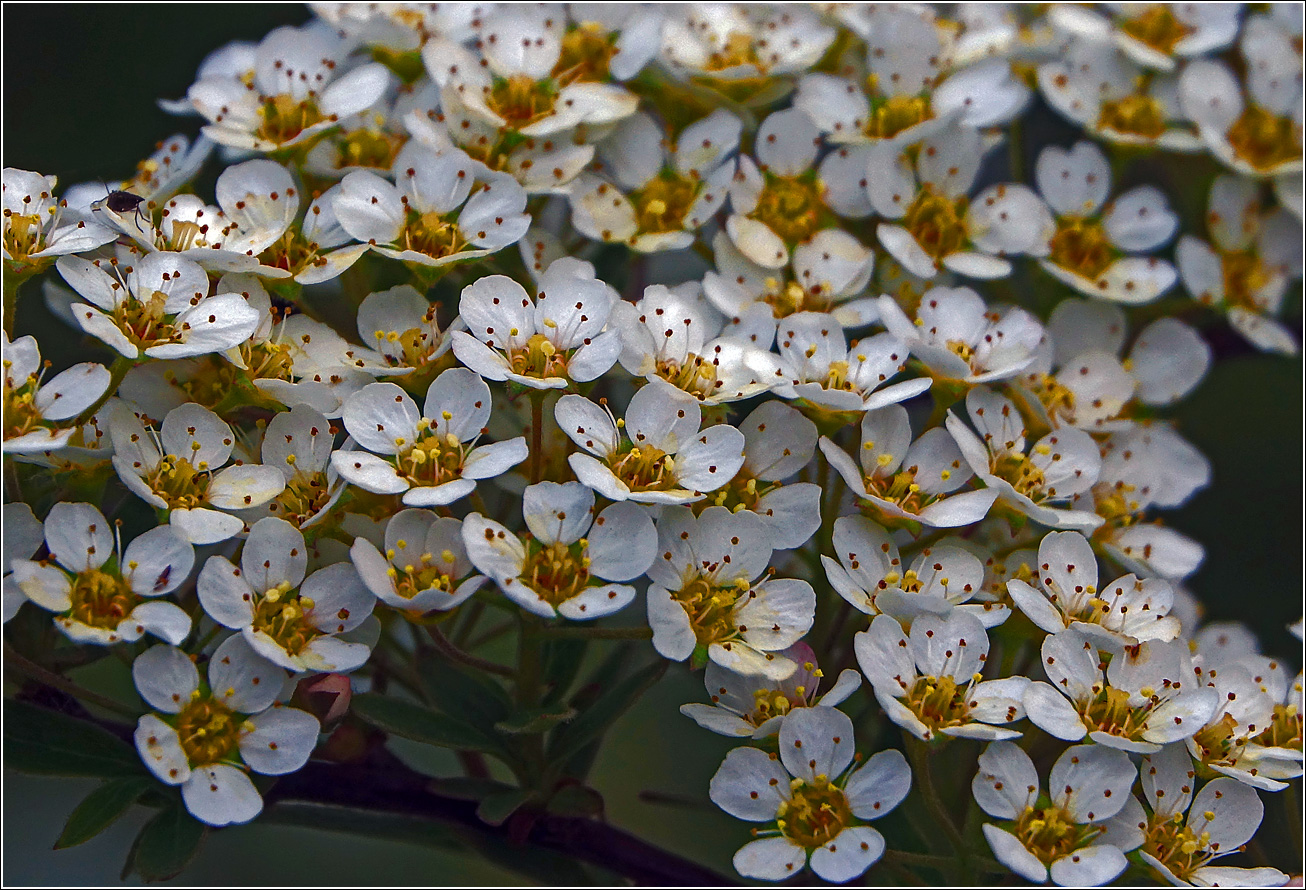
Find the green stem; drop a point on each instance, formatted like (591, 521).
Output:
(453, 653)
(12, 282)
(919, 754)
(20, 665)
(537, 434)
(583, 632)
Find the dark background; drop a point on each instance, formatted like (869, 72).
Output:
(80, 83)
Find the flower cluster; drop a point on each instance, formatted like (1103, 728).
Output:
(742, 331)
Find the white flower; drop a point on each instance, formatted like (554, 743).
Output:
(425, 566)
(563, 565)
(662, 457)
(819, 811)
(754, 706)
(401, 325)
(958, 337)
(1247, 267)
(929, 682)
(35, 230)
(419, 221)
(725, 43)
(706, 601)
(158, 305)
(549, 343)
(1146, 698)
(1253, 125)
(101, 596)
(1061, 464)
(1125, 613)
(870, 576)
(932, 225)
(1061, 836)
(207, 737)
(1155, 35)
(298, 443)
(292, 621)
(657, 194)
(23, 536)
(1096, 86)
(38, 414)
(1220, 819)
(179, 469)
(300, 87)
(430, 457)
(819, 367)
(907, 482)
(1096, 247)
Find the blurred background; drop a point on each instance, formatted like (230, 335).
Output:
(80, 83)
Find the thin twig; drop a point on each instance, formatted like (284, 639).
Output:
(453, 653)
(33, 671)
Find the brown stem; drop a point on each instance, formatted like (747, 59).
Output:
(453, 653)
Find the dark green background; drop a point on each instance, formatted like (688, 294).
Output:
(79, 90)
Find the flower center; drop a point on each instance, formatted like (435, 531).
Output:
(539, 358)
(815, 813)
(587, 51)
(293, 252)
(179, 483)
(741, 493)
(557, 572)
(207, 385)
(1023, 475)
(1134, 115)
(645, 468)
(790, 206)
(901, 488)
(1219, 741)
(1057, 399)
(412, 348)
(768, 703)
(433, 459)
(100, 599)
(521, 101)
(209, 731)
(787, 298)
(429, 572)
(433, 235)
(891, 116)
(303, 497)
(1158, 28)
(284, 118)
(1177, 846)
(1051, 833)
(1109, 711)
(711, 608)
(696, 375)
(1265, 140)
(145, 323)
(281, 614)
(1285, 730)
(937, 222)
(1082, 247)
(1244, 276)
(374, 149)
(20, 413)
(23, 234)
(738, 50)
(939, 702)
(664, 201)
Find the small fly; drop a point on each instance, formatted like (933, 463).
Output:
(121, 202)
(162, 581)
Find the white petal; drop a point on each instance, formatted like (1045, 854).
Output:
(281, 741)
(160, 749)
(770, 859)
(221, 795)
(165, 677)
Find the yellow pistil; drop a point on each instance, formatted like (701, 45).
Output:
(1057, 399)
(891, 116)
(587, 52)
(1177, 846)
(433, 459)
(711, 608)
(815, 813)
(20, 413)
(281, 613)
(433, 235)
(1265, 140)
(431, 571)
(739, 50)
(415, 344)
(1244, 275)
(146, 323)
(937, 222)
(790, 206)
(1157, 28)
(100, 599)
(741, 493)
(1133, 115)
(209, 731)
(662, 204)
(901, 488)
(293, 252)
(645, 468)
(374, 149)
(283, 119)
(768, 703)
(177, 481)
(1219, 742)
(207, 385)
(557, 572)
(303, 497)
(1081, 246)
(1051, 832)
(787, 298)
(696, 375)
(1023, 475)
(521, 101)
(539, 358)
(1285, 729)
(1109, 711)
(939, 702)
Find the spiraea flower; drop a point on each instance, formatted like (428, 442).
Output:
(41, 415)
(208, 735)
(1096, 247)
(1062, 834)
(292, 620)
(181, 468)
(1126, 612)
(818, 806)
(430, 457)
(35, 227)
(158, 306)
(551, 342)
(755, 706)
(1038, 482)
(1155, 35)
(903, 481)
(401, 325)
(958, 337)
(425, 566)
(656, 454)
(24, 535)
(298, 443)
(929, 682)
(1246, 268)
(100, 593)
(1145, 698)
(712, 596)
(565, 564)
(656, 194)
(300, 87)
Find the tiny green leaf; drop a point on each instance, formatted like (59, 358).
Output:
(167, 844)
(535, 720)
(412, 721)
(38, 740)
(496, 808)
(101, 808)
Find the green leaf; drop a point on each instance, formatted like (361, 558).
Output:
(610, 705)
(362, 823)
(535, 720)
(496, 808)
(47, 742)
(101, 808)
(562, 662)
(167, 844)
(576, 800)
(474, 698)
(412, 721)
